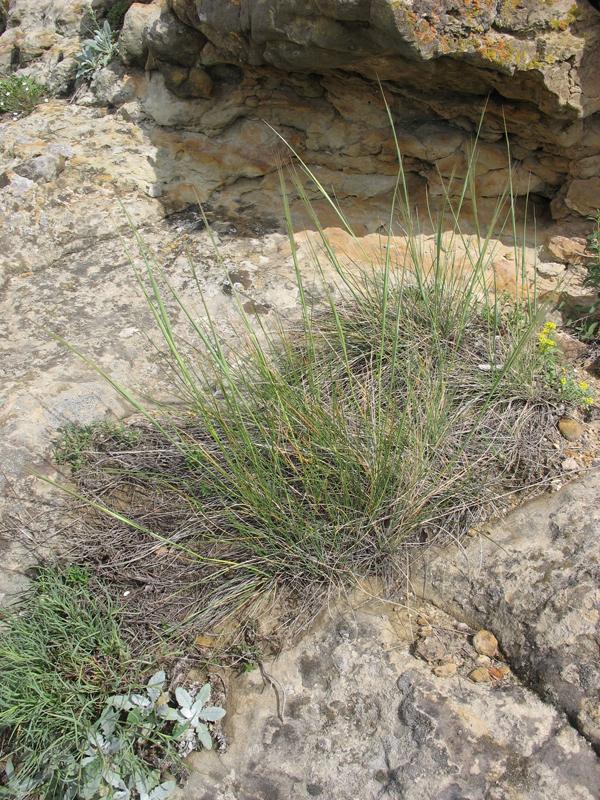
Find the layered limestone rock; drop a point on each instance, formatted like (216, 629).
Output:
(311, 70)
(209, 74)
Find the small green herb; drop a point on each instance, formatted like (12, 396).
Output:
(20, 94)
(75, 441)
(61, 655)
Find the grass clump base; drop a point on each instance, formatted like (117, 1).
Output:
(410, 406)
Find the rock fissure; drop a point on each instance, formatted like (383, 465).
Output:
(539, 596)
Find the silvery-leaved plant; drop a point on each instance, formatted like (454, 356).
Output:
(96, 52)
(111, 767)
(194, 713)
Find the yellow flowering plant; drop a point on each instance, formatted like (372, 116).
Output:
(572, 391)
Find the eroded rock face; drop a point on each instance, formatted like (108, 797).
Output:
(222, 69)
(312, 67)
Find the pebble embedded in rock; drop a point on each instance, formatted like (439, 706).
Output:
(550, 269)
(570, 465)
(480, 675)
(430, 649)
(485, 643)
(499, 673)
(483, 661)
(445, 670)
(570, 429)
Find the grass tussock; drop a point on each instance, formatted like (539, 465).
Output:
(411, 405)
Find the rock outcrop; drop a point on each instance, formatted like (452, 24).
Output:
(311, 70)
(535, 578)
(208, 75)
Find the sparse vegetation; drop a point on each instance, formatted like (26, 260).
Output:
(592, 278)
(64, 732)
(576, 392)
(19, 94)
(409, 404)
(75, 442)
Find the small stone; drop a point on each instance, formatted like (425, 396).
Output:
(445, 670)
(550, 269)
(570, 429)
(499, 673)
(485, 643)
(204, 641)
(570, 465)
(198, 84)
(571, 346)
(483, 661)
(568, 250)
(425, 630)
(480, 675)
(462, 627)
(422, 620)
(430, 649)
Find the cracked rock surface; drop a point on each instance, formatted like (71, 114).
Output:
(535, 580)
(365, 717)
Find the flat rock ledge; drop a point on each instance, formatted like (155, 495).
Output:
(386, 701)
(365, 718)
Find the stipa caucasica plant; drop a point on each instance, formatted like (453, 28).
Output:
(402, 404)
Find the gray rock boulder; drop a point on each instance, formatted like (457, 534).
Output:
(133, 39)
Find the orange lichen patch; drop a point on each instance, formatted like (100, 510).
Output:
(29, 148)
(564, 23)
